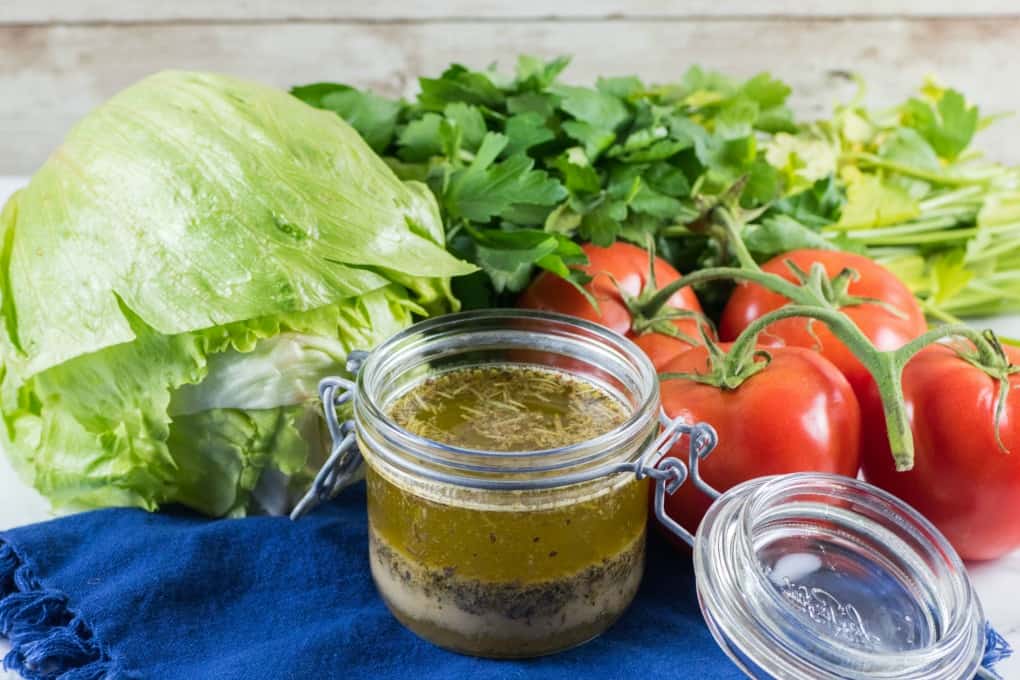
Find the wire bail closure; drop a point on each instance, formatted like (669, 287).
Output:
(669, 474)
(344, 457)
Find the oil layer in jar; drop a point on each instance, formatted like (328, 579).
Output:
(508, 580)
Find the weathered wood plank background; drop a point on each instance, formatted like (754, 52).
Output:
(60, 58)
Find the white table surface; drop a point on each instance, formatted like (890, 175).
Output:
(997, 583)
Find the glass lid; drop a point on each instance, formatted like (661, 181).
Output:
(821, 576)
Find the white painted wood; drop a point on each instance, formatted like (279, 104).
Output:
(51, 76)
(76, 11)
(19, 504)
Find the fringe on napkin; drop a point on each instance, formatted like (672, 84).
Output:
(48, 640)
(996, 649)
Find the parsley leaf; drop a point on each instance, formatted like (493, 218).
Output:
(526, 130)
(602, 224)
(766, 91)
(535, 74)
(598, 109)
(780, 234)
(374, 117)
(469, 121)
(542, 104)
(485, 188)
(948, 124)
(458, 84)
(578, 175)
(736, 119)
(510, 256)
(874, 202)
(595, 140)
(419, 140)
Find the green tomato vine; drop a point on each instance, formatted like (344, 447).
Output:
(820, 298)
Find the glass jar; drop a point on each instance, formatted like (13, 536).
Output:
(506, 554)
(813, 575)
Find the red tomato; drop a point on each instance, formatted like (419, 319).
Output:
(962, 481)
(620, 269)
(798, 414)
(884, 328)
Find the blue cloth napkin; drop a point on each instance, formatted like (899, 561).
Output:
(126, 594)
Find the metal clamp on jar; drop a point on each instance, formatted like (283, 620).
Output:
(522, 553)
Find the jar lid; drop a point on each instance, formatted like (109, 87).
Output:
(820, 576)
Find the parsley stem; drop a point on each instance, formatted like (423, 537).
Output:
(940, 199)
(910, 170)
(933, 310)
(675, 231)
(912, 239)
(905, 228)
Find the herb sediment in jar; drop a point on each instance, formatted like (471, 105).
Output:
(507, 408)
(537, 570)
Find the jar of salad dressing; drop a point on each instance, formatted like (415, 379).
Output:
(488, 534)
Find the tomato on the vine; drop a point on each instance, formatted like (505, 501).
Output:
(966, 474)
(881, 306)
(620, 279)
(790, 412)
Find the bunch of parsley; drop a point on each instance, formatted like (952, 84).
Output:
(524, 167)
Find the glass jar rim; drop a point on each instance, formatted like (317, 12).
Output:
(475, 468)
(746, 628)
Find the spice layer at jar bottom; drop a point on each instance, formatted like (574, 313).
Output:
(510, 582)
(506, 620)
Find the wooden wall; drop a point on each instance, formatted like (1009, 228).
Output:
(59, 58)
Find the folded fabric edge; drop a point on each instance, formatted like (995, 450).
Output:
(48, 640)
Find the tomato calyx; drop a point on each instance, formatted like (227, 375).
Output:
(727, 370)
(981, 349)
(991, 359)
(725, 218)
(660, 319)
(835, 292)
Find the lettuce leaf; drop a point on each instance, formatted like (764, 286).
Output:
(178, 276)
(192, 418)
(197, 200)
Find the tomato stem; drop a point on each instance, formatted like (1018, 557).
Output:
(989, 357)
(734, 231)
(814, 287)
(773, 282)
(987, 353)
(661, 320)
(835, 292)
(885, 368)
